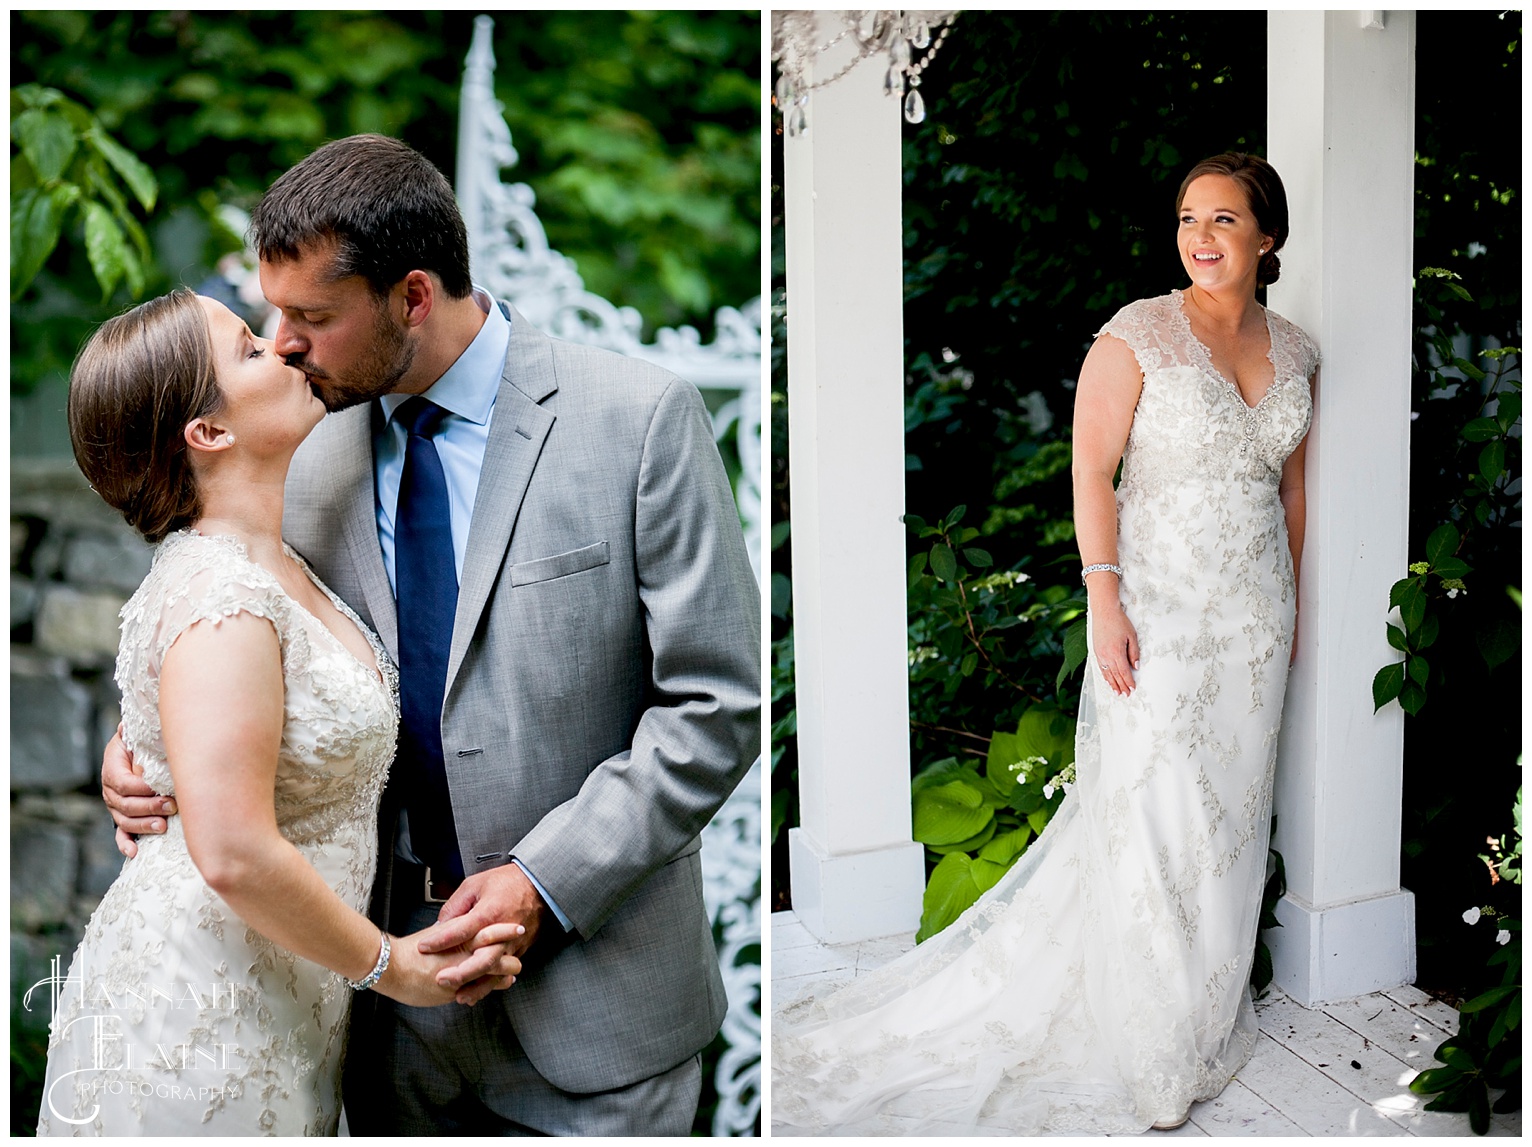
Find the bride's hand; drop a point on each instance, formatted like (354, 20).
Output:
(425, 979)
(1116, 648)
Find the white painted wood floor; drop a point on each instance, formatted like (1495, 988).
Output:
(1340, 1070)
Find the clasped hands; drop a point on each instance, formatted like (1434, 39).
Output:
(474, 948)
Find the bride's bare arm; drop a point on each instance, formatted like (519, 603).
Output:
(1105, 399)
(1295, 510)
(221, 701)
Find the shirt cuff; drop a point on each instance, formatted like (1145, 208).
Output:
(543, 892)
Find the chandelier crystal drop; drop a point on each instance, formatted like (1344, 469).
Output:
(797, 41)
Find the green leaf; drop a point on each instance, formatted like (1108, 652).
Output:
(940, 773)
(779, 532)
(1426, 636)
(1387, 684)
(135, 173)
(972, 844)
(781, 594)
(1492, 461)
(1074, 652)
(1497, 641)
(950, 891)
(1458, 1057)
(970, 663)
(986, 874)
(949, 813)
(1452, 567)
(37, 219)
(1039, 818)
(1481, 430)
(954, 517)
(47, 140)
(1003, 752)
(1412, 604)
(943, 564)
(779, 800)
(1412, 698)
(1443, 542)
(1419, 670)
(1434, 1079)
(1397, 591)
(1488, 999)
(1508, 410)
(1043, 731)
(978, 557)
(1467, 367)
(106, 247)
(1478, 1109)
(1396, 638)
(1007, 846)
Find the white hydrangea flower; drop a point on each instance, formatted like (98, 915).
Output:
(1472, 916)
(1502, 937)
(1048, 791)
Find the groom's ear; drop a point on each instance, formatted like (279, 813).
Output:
(419, 291)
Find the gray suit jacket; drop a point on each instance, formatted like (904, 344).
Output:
(603, 688)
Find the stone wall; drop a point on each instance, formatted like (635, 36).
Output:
(73, 564)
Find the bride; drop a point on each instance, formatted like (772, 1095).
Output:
(1103, 984)
(211, 991)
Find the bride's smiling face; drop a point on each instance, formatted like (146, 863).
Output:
(1217, 234)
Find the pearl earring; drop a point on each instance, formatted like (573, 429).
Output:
(228, 439)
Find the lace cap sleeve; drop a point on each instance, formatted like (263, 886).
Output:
(1144, 325)
(1302, 351)
(194, 578)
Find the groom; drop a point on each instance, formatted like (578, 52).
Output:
(546, 542)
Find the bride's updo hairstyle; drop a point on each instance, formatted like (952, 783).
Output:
(135, 385)
(1268, 201)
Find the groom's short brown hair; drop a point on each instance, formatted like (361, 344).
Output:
(386, 207)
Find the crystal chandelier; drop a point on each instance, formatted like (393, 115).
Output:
(796, 40)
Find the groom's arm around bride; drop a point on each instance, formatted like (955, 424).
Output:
(602, 678)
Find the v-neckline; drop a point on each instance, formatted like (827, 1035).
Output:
(376, 668)
(1207, 354)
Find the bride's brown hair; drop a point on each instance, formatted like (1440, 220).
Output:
(134, 386)
(1268, 201)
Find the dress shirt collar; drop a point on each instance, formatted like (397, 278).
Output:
(469, 386)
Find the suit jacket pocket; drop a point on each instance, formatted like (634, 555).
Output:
(560, 565)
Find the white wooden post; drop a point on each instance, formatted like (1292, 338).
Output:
(856, 873)
(1341, 93)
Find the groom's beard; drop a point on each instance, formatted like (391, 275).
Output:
(390, 357)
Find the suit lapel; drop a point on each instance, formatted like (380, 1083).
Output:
(353, 474)
(517, 432)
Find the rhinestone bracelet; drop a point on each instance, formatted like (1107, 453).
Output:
(378, 969)
(1098, 567)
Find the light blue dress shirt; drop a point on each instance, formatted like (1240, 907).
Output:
(467, 392)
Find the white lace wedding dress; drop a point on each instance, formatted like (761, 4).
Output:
(1103, 984)
(177, 1018)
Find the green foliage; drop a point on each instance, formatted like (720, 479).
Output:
(1486, 499)
(976, 825)
(639, 133)
(983, 645)
(66, 161)
(1468, 173)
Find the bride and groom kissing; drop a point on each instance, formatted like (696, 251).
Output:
(541, 537)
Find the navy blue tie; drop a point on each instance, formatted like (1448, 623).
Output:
(425, 576)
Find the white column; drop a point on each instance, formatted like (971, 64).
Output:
(1341, 94)
(856, 873)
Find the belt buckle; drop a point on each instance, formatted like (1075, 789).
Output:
(429, 898)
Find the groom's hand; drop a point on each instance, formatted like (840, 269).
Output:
(480, 913)
(135, 806)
